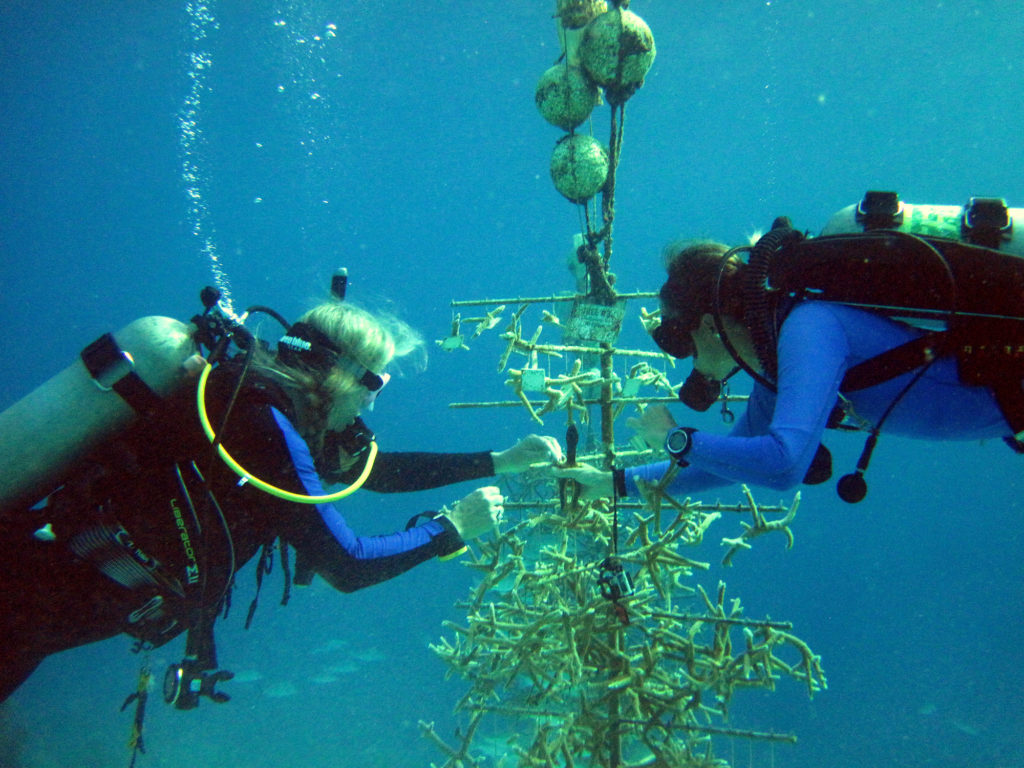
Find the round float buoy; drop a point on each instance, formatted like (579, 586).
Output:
(566, 96)
(574, 14)
(617, 51)
(579, 166)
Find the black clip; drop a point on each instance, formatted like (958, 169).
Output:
(184, 683)
(615, 584)
(613, 580)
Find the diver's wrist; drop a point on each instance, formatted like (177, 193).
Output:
(678, 443)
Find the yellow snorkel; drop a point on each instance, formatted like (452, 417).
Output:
(273, 490)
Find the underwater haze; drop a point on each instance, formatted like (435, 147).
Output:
(153, 148)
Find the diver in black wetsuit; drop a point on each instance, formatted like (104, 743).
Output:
(146, 536)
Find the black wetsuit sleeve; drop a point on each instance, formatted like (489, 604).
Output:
(409, 471)
(317, 552)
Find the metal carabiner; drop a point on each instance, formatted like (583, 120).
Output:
(728, 417)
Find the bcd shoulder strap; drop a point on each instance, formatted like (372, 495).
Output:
(1002, 369)
(896, 361)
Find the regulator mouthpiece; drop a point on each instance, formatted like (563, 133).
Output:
(699, 392)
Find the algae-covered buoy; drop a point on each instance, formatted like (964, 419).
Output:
(579, 166)
(574, 14)
(566, 96)
(617, 51)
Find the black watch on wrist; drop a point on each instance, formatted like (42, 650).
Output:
(678, 442)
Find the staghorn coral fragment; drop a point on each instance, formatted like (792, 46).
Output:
(760, 526)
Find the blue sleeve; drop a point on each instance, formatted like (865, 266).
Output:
(774, 441)
(334, 551)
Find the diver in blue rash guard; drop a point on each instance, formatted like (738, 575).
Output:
(777, 441)
(146, 535)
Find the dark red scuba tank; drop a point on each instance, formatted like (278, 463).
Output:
(54, 426)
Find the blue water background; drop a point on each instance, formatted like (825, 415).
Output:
(422, 167)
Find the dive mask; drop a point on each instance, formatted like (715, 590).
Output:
(678, 319)
(673, 337)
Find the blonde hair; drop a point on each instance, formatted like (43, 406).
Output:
(372, 340)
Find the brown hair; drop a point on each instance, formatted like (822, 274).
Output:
(693, 273)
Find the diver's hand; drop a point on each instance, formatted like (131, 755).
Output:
(653, 425)
(478, 513)
(532, 449)
(594, 483)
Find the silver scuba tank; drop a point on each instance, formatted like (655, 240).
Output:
(985, 221)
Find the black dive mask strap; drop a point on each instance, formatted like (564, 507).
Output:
(304, 346)
(716, 315)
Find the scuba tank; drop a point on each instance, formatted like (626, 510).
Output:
(948, 267)
(984, 221)
(117, 377)
(124, 376)
(128, 374)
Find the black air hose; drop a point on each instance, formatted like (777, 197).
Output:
(755, 292)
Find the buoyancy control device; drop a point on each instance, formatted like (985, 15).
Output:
(955, 272)
(126, 375)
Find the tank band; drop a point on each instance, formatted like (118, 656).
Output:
(112, 368)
